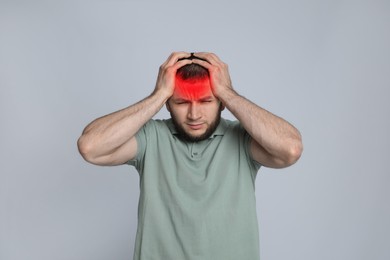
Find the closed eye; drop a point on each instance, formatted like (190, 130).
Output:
(207, 99)
(181, 102)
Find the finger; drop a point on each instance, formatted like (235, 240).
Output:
(210, 57)
(203, 63)
(175, 56)
(181, 63)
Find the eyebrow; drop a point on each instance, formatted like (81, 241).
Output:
(206, 98)
(179, 99)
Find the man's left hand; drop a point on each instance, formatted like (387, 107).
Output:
(219, 72)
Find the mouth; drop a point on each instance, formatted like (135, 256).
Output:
(195, 126)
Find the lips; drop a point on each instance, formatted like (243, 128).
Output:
(196, 126)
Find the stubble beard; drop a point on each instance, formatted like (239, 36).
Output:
(192, 138)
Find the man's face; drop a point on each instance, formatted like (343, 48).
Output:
(194, 109)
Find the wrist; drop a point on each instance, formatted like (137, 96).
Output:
(227, 95)
(162, 94)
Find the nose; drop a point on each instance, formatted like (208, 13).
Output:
(194, 112)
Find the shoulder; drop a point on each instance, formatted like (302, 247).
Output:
(231, 126)
(153, 132)
(158, 125)
(156, 130)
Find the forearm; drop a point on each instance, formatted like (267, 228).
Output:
(106, 134)
(275, 135)
(110, 140)
(275, 142)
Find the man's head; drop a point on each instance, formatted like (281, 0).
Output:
(192, 71)
(194, 109)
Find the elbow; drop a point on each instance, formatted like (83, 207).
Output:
(85, 149)
(90, 152)
(294, 152)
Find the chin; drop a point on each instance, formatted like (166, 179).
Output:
(186, 134)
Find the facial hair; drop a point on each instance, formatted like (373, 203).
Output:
(191, 138)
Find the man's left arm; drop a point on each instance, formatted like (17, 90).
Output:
(275, 142)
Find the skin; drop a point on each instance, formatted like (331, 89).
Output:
(275, 142)
(196, 112)
(110, 140)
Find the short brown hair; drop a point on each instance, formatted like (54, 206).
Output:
(192, 71)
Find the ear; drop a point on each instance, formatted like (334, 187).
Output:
(221, 106)
(167, 106)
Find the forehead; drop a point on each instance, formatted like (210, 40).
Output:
(193, 89)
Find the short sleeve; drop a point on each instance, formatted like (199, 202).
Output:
(137, 161)
(247, 143)
(247, 147)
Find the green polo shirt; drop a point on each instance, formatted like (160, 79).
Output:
(197, 200)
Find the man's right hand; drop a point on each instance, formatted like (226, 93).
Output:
(167, 73)
(110, 140)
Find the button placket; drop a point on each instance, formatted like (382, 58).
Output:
(195, 150)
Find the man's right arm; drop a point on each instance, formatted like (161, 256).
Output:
(110, 140)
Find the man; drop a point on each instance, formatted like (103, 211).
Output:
(197, 170)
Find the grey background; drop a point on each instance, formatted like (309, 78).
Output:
(322, 65)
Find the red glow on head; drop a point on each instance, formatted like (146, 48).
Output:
(192, 89)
